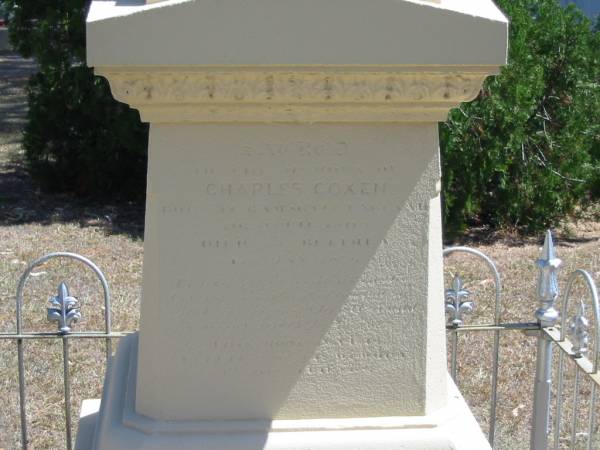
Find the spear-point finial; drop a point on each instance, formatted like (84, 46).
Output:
(547, 288)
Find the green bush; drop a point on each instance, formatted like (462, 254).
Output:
(77, 138)
(525, 153)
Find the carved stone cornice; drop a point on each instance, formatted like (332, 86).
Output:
(406, 94)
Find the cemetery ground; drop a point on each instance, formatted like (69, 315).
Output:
(33, 223)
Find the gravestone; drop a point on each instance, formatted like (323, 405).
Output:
(292, 292)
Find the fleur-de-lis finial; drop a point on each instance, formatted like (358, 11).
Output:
(547, 288)
(457, 302)
(64, 310)
(578, 331)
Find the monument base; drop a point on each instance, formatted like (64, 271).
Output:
(113, 425)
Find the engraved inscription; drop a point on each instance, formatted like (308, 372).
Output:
(280, 253)
(299, 148)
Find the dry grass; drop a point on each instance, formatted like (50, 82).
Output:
(515, 261)
(120, 258)
(32, 224)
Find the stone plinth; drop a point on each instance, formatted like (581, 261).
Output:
(292, 293)
(118, 426)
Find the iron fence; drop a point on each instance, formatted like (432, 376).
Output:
(545, 432)
(64, 310)
(551, 335)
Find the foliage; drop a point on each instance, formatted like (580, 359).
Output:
(77, 138)
(527, 150)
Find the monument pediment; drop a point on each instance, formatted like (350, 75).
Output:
(291, 61)
(293, 32)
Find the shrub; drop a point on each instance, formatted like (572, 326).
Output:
(77, 138)
(526, 151)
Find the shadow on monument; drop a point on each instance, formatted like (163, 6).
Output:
(250, 342)
(334, 320)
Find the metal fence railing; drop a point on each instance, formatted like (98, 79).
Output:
(570, 337)
(545, 432)
(65, 311)
(576, 350)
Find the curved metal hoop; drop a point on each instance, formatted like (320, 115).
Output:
(38, 262)
(20, 356)
(497, 311)
(488, 261)
(591, 285)
(589, 281)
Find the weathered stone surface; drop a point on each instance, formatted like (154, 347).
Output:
(286, 272)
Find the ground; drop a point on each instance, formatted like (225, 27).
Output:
(34, 223)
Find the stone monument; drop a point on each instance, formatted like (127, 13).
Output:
(292, 294)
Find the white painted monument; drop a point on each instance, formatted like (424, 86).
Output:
(292, 294)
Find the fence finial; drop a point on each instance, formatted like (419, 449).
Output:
(578, 330)
(457, 302)
(64, 310)
(547, 289)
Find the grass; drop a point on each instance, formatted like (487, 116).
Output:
(515, 261)
(33, 223)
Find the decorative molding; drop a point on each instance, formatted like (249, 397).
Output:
(265, 87)
(203, 94)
